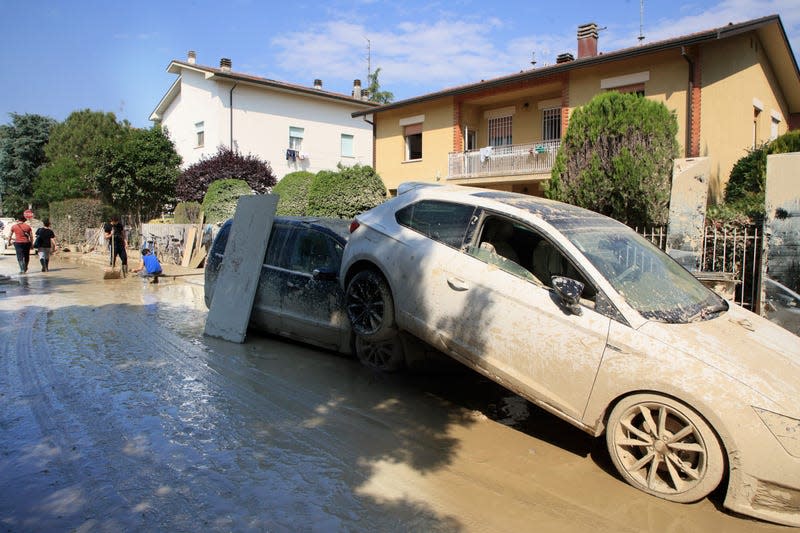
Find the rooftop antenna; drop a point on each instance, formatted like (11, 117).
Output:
(641, 21)
(533, 58)
(369, 59)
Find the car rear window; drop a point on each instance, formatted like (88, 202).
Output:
(446, 222)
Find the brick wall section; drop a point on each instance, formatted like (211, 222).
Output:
(564, 104)
(696, 98)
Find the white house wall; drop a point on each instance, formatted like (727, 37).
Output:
(261, 121)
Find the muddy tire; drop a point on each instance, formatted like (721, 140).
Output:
(664, 448)
(370, 306)
(384, 356)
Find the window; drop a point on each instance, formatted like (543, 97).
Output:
(441, 221)
(199, 128)
(295, 138)
(347, 145)
(551, 124)
(412, 134)
(311, 251)
(774, 123)
(500, 131)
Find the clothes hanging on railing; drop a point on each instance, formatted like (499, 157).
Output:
(485, 153)
(291, 155)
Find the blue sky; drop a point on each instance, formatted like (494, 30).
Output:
(58, 57)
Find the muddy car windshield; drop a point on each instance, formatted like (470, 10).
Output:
(650, 281)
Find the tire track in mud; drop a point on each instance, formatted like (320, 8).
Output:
(90, 447)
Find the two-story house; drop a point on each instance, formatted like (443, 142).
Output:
(291, 126)
(731, 88)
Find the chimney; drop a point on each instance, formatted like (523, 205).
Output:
(318, 84)
(565, 58)
(225, 64)
(192, 59)
(357, 89)
(587, 40)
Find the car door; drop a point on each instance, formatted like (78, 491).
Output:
(312, 307)
(502, 319)
(267, 304)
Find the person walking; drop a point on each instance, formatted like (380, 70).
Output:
(45, 244)
(21, 234)
(115, 235)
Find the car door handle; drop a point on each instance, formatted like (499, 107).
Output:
(457, 284)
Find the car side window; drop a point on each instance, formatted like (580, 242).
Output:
(313, 250)
(275, 248)
(445, 222)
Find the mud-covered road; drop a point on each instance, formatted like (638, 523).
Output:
(116, 414)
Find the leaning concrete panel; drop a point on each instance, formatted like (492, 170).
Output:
(687, 211)
(238, 277)
(781, 259)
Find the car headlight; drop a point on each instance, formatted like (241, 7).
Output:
(785, 429)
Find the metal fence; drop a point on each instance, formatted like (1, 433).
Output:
(734, 252)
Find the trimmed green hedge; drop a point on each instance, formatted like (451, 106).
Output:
(293, 191)
(219, 203)
(345, 193)
(70, 218)
(188, 213)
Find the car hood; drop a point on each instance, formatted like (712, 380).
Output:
(745, 347)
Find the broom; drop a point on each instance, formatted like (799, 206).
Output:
(111, 272)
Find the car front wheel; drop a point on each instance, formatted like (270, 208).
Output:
(664, 448)
(370, 306)
(384, 356)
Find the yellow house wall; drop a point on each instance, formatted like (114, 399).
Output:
(669, 79)
(734, 72)
(437, 143)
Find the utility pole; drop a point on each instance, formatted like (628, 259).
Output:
(641, 21)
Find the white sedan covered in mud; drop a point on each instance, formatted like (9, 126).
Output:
(580, 315)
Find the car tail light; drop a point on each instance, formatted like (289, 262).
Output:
(354, 225)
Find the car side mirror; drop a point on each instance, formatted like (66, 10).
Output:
(324, 274)
(569, 291)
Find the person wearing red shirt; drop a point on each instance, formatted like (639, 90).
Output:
(21, 236)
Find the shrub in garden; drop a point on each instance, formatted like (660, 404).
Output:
(70, 218)
(219, 203)
(194, 182)
(345, 193)
(293, 191)
(188, 213)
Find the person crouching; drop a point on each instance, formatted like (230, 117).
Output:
(150, 267)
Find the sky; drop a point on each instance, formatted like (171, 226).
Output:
(57, 57)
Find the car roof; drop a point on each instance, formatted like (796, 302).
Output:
(337, 227)
(560, 215)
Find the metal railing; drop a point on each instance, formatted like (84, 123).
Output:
(735, 252)
(515, 159)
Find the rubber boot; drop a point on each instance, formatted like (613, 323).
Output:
(21, 266)
(47, 265)
(44, 265)
(124, 270)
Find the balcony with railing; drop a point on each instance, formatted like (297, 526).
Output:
(511, 160)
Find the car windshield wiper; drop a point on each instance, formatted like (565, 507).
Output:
(708, 310)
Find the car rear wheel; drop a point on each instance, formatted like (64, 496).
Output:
(385, 356)
(370, 306)
(664, 448)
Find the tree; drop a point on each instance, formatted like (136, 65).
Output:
(137, 175)
(616, 159)
(345, 193)
(21, 157)
(72, 152)
(293, 191)
(225, 164)
(374, 89)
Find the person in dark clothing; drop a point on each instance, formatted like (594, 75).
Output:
(45, 244)
(115, 236)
